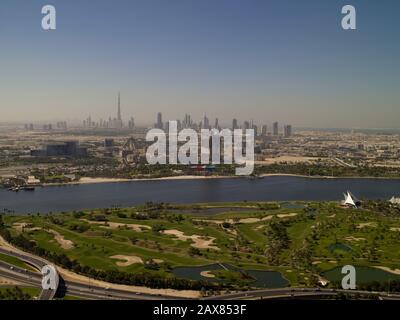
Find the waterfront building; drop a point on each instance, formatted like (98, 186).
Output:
(350, 200)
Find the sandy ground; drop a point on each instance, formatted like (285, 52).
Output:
(394, 229)
(291, 159)
(393, 271)
(158, 260)
(129, 260)
(64, 243)
(87, 180)
(287, 215)
(354, 239)
(68, 275)
(8, 282)
(249, 220)
(366, 224)
(199, 242)
(115, 225)
(207, 274)
(23, 226)
(232, 221)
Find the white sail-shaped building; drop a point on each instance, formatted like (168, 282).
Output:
(350, 200)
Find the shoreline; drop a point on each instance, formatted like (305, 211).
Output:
(88, 180)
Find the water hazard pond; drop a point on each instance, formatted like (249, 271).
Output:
(227, 273)
(363, 275)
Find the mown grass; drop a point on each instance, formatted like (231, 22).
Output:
(320, 224)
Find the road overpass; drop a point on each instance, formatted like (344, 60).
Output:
(84, 290)
(88, 291)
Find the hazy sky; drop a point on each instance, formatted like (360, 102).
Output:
(264, 60)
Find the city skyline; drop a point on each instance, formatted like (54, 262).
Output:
(262, 61)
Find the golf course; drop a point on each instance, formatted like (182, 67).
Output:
(221, 245)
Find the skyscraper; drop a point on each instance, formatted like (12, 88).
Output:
(159, 123)
(216, 125)
(206, 122)
(276, 129)
(119, 107)
(264, 130)
(288, 130)
(235, 124)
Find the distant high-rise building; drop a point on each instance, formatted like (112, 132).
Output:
(119, 107)
(255, 128)
(206, 122)
(264, 130)
(118, 122)
(216, 125)
(187, 122)
(275, 131)
(61, 125)
(159, 123)
(288, 130)
(246, 125)
(235, 124)
(131, 123)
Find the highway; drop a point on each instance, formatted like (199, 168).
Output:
(72, 288)
(298, 293)
(88, 291)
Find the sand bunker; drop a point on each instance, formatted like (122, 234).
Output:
(19, 226)
(393, 271)
(287, 215)
(24, 227)
(116, 225)
(207, 274)
(354, 239)
(128, 260)
(64, 243)
(158, 261)
(367, 224)
(199, 242)
(248, 220)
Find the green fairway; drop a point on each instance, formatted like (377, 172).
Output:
(301, 240)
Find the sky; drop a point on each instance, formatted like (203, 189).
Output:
(263, 60)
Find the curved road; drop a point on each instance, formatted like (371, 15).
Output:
(71, 287)
(87, 291)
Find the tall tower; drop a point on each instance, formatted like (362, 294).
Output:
(119, 107)
(275, 129)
